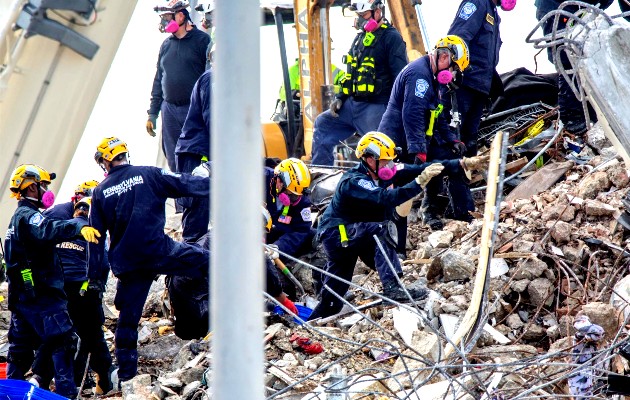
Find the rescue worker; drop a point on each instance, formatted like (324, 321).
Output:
(289, 206)
(181, 61)
(85, 306)
(362, 207)
(66, 210)
(207, 22)
(477, 23)
(414, 117)
(571, 110)
(130, 205)
(193, 148)
(36, 299)
(376, 57)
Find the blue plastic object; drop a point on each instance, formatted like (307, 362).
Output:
(303, 312)
(11, 389)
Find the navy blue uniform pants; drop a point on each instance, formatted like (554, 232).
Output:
(571, 110)
(354, 116)
(44, 322)
(196, 210)
(173, 118)
(88, 318)
(460, 197)
(131, 293)
(342, 260)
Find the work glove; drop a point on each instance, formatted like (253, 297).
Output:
(90, 234)
(151, 124)
(289, 305)
(272, 252)
(422, 157)
(476, 163)
(95, 285)
(335, 106)
(459, 148)
(428, 173)
(202, 170)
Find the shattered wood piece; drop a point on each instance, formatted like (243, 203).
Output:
(542, 180)
(271, 331)
(516, 165)
(417, 262)
(496, 335)
(283, 376)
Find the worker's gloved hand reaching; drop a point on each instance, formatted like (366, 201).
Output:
(289, 305)
(476, 163)
(428, 173)
(335, 106)
(90, 234)
(151, 124)
(459, 148)
(272, 252)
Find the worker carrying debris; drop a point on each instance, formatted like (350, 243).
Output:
(376, 57)
(130, 205)
(414, 117)
(288, 204)
(66, 210)
(38, 304)
(477, 23)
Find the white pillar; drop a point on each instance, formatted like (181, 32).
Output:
(237, 192)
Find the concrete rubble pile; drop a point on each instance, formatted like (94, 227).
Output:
(556, 258)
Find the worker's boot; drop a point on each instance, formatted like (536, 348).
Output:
(432, 221)
(396, 292)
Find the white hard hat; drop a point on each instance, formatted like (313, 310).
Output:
(205, 7)
(364, 5)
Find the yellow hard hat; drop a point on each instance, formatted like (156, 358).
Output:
(294, 175)
(266, 219)
(109, 148)
(27, 174)
(86, 201)
(377, 145)
(458, 48)
(86, 188)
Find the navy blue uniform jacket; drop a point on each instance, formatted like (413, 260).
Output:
(293, 233)
(195, 137)
(130, 204)
(30, 243)
(180, 63)
(477, 22)
(73, 256)
(415, 93)
(60, 211)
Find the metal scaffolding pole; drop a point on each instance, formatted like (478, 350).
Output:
(237, 192)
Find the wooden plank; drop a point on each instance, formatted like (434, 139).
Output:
(542, 180)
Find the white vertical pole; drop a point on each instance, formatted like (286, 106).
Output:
(237, 192)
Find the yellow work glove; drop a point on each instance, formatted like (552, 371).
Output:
(151, 124)
(477, 163)
(428, 173)
(90, 234)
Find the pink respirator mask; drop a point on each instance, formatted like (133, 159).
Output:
(289, 200)
(508, 5)
(387, 172)
(445, 77)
